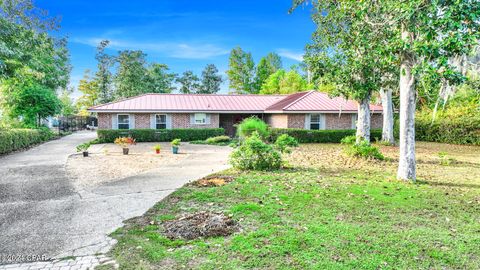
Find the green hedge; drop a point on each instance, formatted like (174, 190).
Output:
(163, 135)
(16, 139)
(458, 125)
(320, 136)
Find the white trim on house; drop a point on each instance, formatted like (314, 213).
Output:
(354, 121)
(203, 117)
(320, 122)
(116, 122)
(160, 123)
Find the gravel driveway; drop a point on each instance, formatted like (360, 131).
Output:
(42, 215)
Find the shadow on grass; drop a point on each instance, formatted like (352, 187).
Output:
(449, 184)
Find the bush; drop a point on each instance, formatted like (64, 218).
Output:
(320, 136)
(456, 125)
(218, 139)
(251, 124)
(284, 142)
(156, 135)
(16, 139)
(362, 149)
(83, 147)
(254, 154)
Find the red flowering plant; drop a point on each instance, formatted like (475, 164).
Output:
(124, 142)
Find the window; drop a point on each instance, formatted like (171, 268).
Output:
(161, 121)
(123, 121)
(200, 118)
(354, 121)
(315, 121)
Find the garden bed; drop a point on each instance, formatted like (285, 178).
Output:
(106, 163)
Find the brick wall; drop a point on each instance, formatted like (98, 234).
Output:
(182, 120)
(376, 121)
(277, 120)
(338, 121)
(104, 120)
(142, 120)
(296, 121)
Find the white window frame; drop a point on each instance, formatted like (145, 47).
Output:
(354, 121)
(320, 121)
(160, 123)
(118, 122)
(200, 119)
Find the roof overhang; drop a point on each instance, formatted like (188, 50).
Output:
(171, 111)
(222, 112)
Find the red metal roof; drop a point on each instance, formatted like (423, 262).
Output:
(316, 101)
(303, 101)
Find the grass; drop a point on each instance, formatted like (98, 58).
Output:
(326, 211)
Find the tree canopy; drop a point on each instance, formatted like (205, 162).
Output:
(241, 72)
(211, 80)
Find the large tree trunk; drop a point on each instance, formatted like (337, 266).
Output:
(363, 121)
(387, 104)
(407, 164)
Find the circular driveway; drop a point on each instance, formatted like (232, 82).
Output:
(43, 214)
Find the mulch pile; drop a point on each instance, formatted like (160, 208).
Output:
(202, 224)
(213, 181)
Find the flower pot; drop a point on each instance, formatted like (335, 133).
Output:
(85, 153)
(175, 149)
(125, 151)
(157, 151)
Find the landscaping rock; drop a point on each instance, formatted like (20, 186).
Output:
(203, 224)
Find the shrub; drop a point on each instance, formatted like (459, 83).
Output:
(319, 136)
(83, 147)
(456, 125)
(254, 154)
(16, 139)
(251, 124)
(284, 142)
(218, 139)
(362, 149)
(156, 135)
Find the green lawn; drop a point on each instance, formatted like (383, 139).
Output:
(326, 211)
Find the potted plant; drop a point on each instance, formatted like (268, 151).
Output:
(124, 142)
(83, 148)
(175, 144)
(157, 148)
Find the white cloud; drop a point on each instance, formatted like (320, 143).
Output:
(168, 49)
(297, 56)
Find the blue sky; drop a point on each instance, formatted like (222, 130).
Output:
(185, 35)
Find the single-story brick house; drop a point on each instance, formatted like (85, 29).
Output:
(305, 110)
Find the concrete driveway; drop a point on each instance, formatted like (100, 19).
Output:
(43, 216)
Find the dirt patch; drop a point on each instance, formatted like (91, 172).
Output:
(106, 163)
(213, 181)
(203, 224)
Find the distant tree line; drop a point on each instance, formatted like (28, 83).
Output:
(267, 77)
(133, 76)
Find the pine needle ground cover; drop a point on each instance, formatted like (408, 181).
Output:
(325, 211)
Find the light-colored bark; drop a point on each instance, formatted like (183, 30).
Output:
(407, 163)
(363, 121)
(387, 104)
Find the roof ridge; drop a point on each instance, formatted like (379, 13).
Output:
(121, 100)
(192, 94)
(298, 99)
